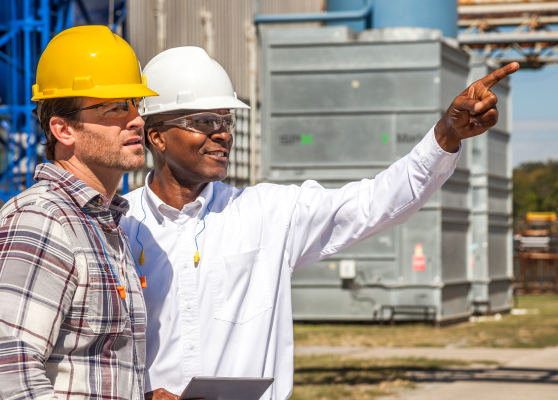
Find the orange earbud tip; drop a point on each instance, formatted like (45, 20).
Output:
(122, 291)
(143, 282)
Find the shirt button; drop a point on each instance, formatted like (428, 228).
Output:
(191, 347)
(100, 201)
(135, 360)
(183, 229)
(188, 306)
(106, 267)
(107, 230)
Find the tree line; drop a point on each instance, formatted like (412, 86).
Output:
(535, 187)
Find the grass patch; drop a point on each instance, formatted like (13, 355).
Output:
(329, 377)
(512, 331)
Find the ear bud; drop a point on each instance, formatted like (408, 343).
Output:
(197, 257)
(141, 257)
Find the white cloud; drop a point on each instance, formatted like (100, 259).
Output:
(534, 140)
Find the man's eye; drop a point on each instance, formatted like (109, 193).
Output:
(114, 108)
(110, 110)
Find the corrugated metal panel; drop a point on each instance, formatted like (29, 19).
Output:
(220, 28)
(200, 22)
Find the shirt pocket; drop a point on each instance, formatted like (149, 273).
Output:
(240, 286)
(106, 310)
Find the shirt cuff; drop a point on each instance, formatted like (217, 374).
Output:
(433, 157)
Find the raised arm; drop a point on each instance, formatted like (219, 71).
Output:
(323, 222)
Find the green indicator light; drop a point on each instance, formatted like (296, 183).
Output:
(306, 139)
(385, 138)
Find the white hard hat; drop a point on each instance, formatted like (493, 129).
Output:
(186, 78)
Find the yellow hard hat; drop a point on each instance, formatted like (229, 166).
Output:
(89, 61)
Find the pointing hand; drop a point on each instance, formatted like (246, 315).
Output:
(473, 112)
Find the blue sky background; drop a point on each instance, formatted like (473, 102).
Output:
(535, 115)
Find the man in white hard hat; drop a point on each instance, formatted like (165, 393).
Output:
(218, 259)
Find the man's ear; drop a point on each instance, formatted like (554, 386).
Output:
(156, 139)
(64, 133)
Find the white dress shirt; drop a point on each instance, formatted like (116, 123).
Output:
(230, 315)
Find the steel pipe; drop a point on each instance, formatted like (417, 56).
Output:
(509, 38)
(364, 12)
(464, 23)
(506, 8)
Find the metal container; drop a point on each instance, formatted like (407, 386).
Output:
(491, 240)
(339, 107)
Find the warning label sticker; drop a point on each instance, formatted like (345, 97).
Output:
(419, 260)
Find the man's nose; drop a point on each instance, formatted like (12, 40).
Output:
(222, 134)
(136, 121)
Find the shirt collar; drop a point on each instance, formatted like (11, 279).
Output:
(78, 190)
(160, 209)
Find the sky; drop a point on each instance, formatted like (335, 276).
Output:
(535, 115)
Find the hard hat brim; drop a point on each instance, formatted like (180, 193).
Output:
(208, 103)
(100, 92)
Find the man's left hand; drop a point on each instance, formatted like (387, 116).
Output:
(160, 394)
(473, 112)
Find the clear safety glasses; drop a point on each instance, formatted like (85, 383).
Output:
(112, 108)
(204, 122)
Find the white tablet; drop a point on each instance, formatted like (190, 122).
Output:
(213, 388)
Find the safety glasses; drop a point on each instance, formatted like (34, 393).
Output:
(116, 108)
(204, 122)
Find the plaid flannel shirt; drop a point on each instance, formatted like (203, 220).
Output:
(65, 333)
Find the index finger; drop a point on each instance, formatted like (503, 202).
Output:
(495, 77)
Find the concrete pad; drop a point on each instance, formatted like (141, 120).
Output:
(522, 373)
(543, 359)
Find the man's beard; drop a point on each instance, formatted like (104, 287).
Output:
(95, 151)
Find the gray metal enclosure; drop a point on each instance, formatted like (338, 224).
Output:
(339, 107)
(491, 244)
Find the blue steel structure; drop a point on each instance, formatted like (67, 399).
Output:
(24, 24)
(26, 27)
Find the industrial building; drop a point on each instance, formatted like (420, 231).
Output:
(339, 90)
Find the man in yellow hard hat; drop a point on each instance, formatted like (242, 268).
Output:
(72, 316)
